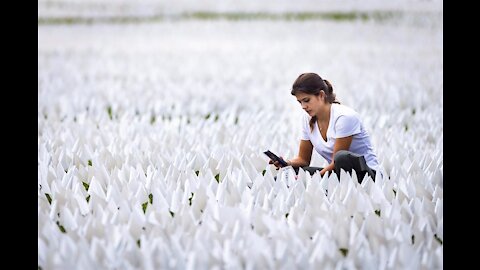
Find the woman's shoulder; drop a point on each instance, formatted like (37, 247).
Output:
(341, 109)
(305, 121)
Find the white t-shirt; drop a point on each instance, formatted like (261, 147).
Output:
(344, 122)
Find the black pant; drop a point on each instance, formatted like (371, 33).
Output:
(347, 161)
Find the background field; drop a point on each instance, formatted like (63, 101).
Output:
(152, 119)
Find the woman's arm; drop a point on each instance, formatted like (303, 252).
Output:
(340, 144)
(304, 155)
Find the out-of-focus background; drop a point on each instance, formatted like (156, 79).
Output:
(182, 90)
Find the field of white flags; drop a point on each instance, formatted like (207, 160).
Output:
(151, 138)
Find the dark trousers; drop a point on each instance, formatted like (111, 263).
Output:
(347, 161)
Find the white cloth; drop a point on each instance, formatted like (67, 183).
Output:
(344, 122)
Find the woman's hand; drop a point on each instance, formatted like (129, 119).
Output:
(277, 164)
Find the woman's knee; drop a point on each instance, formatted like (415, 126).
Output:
(341, 156)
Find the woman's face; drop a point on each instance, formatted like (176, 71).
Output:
(310, 103)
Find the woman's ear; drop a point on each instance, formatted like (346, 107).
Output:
(322, 95)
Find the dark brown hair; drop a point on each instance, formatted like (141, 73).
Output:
(312, 84)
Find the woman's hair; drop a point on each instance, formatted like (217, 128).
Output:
(312, 84)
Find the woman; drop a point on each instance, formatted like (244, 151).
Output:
(334, 130)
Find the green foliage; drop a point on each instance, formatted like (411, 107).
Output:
(190, 199)
(89, 162)
(62, 229)
(49, 199)
(344, 16)
(438, 239)
(378, 212)
(109, 111)
(230, 16)
(86, 185)
(217, 177)
(144, 206)
(292, 16)
(263, 172)
(150, 197)
(88, 198)
(344, 251)
(139, 243)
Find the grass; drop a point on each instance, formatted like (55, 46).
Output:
(86, 185)
(438, 239)
(291, 16)
(229, 16)
(144, 206)
(61, 228)
(190, 199)
(48, 198)
(109, 111)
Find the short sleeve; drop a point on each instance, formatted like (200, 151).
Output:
(347, 125)
(305, 135)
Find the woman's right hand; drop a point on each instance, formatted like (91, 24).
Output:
(276, 163)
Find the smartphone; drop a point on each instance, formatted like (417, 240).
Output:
(274, 157)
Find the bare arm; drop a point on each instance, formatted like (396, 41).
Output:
(304, 155)
(340, 144)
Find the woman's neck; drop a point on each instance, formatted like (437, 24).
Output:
(324, 114)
